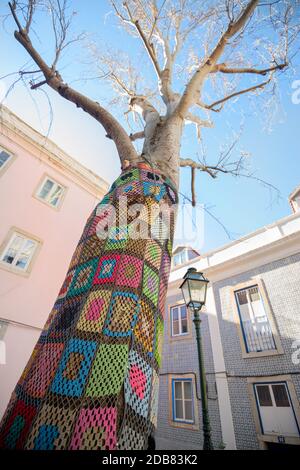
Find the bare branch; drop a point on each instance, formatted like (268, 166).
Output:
(224, 69)
(193, 171)
(199, 123)
(113, 129)
(145, 41)
(212, 106)
(188, 162)
(192, 90)
(137, 135)
(34, 86)
(12, 7)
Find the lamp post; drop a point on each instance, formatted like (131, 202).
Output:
(194, 289)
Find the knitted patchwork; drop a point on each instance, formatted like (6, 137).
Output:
(52, 428)
(94, 311)
(95, 429)
(107, 374)
(122, 315)
(74, 367)
(150, 284)
(137, 384)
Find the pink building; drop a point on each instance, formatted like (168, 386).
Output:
(46, 197)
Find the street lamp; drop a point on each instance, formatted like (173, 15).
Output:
(194, 289)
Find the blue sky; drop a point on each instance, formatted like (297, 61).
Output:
(242, 205)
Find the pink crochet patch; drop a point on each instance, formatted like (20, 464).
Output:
(94, 311)
(138, 381)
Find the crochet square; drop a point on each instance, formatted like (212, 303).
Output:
(107, 269)
(165, 269)
(117, 238)
(76, 256)
(65, 317)
(43, 370)
(159, 332)
(83, 277)
(95, 430)
(153, 254)
(157, 191)
(150, 176)
(122, 315)
(136, 247)
(107, 374)
(150, 284)
(94, 311)
(127, 177)
(102, 220)
(93, 248)
(51, 429)
(144, 330)
(67, 282)
(131, 189)
(14, 433)
(162, 299)
(130, 271)
(74, 367)
(137, 384)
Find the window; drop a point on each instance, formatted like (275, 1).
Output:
(256, 328)
(183, 256)
(18, 252)
(179, 320)
(5, 159)
(275, 409)
(182, 400)
(180, 258)
(51, 192)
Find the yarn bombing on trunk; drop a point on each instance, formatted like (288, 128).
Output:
(92, 379)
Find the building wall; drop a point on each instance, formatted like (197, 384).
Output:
(28, 300)
(180, 357)
(281, 279)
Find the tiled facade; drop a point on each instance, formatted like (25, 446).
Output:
(282, 280)
(180, 358)
(271, 259)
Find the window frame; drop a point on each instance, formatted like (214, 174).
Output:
(40, 185)
(193, 426)
(249, 301)
(182, 381)
(180, 334)
(186, 336)
(12, 157)
(14, 231)
(269, 313)
(294, 401)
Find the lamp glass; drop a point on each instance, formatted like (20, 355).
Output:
(198, 291)
(194, 288)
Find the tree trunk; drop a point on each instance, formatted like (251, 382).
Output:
(92, 379)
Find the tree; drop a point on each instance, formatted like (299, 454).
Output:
(250, 42)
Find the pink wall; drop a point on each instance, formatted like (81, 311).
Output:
(28, 300)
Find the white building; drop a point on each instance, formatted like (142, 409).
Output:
(251, 340)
